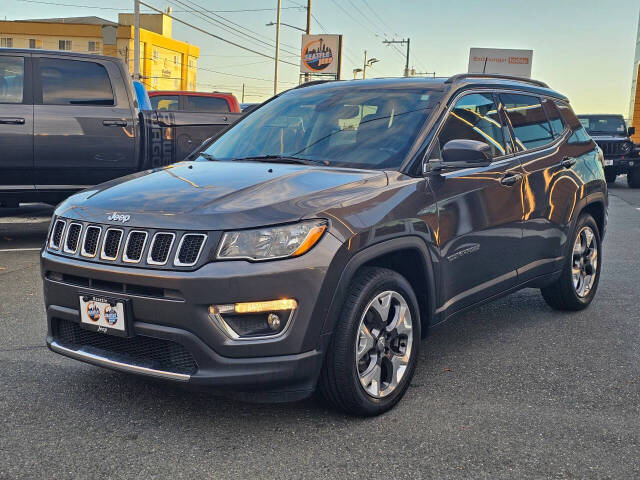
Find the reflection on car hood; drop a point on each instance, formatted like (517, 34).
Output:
(222, 195)
(609, 138)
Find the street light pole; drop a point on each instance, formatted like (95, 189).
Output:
(307, 77)
(275, 75)
(136, 40)
(364, 66)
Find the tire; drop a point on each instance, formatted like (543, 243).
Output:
(633, 178)
(564, 294)
(610, 175)
(342, 377)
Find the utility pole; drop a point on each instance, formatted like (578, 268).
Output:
(275, 76)
(403, 41)
(243, 93)
(136, 40)
(307, 77)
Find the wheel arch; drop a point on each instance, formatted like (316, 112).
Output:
(410, 257)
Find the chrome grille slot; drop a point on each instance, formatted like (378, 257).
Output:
(189, 249)
(73, 238)
(160, 248)
(90, 242)
(111, 245)
(56, 234)
(134, 247)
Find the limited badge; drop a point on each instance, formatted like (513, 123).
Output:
(110, 315)
(93, 311)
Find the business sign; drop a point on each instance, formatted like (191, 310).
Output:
(321, 54)
(504, 61)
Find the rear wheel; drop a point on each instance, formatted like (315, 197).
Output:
(577, 285)
(610, 175)
(633, 178)
(374, 347)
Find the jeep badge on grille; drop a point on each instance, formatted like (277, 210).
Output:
(118, 217)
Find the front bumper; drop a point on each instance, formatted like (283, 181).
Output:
(622, 163)
(170, 311)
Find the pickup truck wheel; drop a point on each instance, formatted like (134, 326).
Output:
(577, 285)
(633, 178)
(374, 347)
(610, 175)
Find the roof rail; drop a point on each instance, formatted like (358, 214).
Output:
(462, 76)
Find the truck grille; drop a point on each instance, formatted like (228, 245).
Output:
(149, 352)
(132, 246)
(614, 148)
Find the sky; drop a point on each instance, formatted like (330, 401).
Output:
(584, 49)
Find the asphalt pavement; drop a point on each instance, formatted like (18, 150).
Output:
(511, 390)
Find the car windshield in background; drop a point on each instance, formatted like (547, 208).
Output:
(612, 125)
(369, 127)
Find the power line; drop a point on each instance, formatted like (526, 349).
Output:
(130, 10)
(216, 36)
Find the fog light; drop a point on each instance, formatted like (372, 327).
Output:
(274, 321)
(250, 320)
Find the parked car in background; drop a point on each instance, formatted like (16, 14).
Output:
(620, 154)
(317, 240)
(202, 102)
(70, 120)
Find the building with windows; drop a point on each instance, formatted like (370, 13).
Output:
(634, 104)
(165, 63)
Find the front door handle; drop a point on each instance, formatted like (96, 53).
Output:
(510, 179)
(11, 121)
(114, 123)
(568, 162)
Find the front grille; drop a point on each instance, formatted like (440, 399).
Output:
(111, 245)
(160, 248)
(149, 352)
(135, 246)
(614, 148)
(189, 249)
(73, 238)
(56, 234)
(90, 244)
(139, 247)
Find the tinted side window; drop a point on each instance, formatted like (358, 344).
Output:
(165, 102)
(195, 103)
(580, 135)
(553, 114)
(474, 117)
(73, 82)
(529, 122)
(11, 79)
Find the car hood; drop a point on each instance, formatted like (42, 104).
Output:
(221, 195)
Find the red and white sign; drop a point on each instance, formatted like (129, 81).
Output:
(504, 61)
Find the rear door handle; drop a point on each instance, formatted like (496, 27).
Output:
(568, 162)
(510, 179)
(12, 121)
(114, 123)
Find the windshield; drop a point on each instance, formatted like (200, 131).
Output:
(355, 126)
(612, 125)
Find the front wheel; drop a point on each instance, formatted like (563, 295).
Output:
(633, 178)
(577, 285)
(374, 347)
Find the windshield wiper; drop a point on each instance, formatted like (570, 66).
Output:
(278, 159)
(207, 156)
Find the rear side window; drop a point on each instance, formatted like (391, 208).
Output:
(165, 102)
(196, 103)
(553, 114)
(475, 117)
(530, 125)
(11, 79)
(73, 82)
(580, 134)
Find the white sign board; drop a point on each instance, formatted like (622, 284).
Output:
(503, 61)
(321, 54)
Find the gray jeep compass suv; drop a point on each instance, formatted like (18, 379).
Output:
(315, 242)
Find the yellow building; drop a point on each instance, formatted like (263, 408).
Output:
(165, 63)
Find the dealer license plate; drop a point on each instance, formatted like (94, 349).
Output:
(103, 315)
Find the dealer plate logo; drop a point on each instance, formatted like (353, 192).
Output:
(110, 315)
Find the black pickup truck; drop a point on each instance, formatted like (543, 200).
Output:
(70, 120)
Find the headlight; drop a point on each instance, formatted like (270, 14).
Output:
(272, 242)
(625, 147)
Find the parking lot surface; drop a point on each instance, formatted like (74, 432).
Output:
(510, 390)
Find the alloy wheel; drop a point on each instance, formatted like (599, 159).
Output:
(584, 262)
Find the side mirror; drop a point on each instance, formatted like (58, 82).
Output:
(631, 131)
(462, 154)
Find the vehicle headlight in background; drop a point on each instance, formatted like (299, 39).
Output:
(272, 242)
(626, 147)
